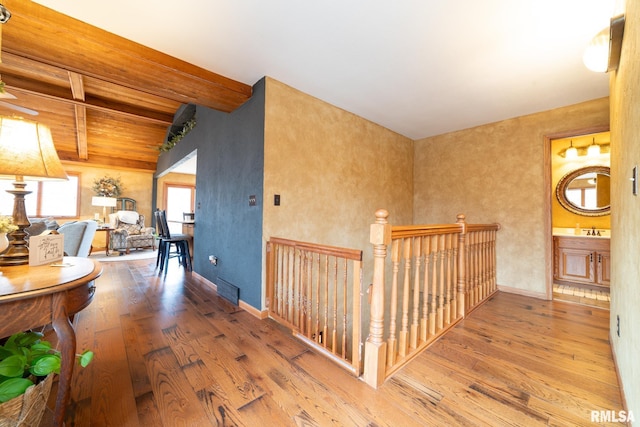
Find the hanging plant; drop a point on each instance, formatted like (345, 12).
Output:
(108, 187)
(175, 138)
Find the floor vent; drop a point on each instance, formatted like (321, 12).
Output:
(228, 291)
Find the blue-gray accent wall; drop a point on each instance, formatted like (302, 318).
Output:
(230, 169)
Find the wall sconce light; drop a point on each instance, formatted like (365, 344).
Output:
(26, 153)
(603, 52)
(593, 150)
(571, 152)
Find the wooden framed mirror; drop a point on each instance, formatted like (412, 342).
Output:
(586, 191)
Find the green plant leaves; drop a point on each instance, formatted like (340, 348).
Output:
(13, 387)
(86, 358)
(23, 354)
(13, 366)
(45, 365)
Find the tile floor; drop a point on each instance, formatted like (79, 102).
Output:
(598, 298)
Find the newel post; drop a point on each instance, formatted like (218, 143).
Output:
(375, 347)
(462, 263)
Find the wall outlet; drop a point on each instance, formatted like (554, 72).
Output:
(252, 200)
(213, 260)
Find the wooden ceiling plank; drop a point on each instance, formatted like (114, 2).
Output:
(81, 131)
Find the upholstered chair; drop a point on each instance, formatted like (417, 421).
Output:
(78, 236)
(130, 232)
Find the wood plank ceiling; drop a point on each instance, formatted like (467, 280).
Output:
(107, 100)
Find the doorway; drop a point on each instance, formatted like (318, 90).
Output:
(179, 200)
(580, 217)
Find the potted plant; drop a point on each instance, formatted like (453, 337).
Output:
(6, 226)
(27, 366)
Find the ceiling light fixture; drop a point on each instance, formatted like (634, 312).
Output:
(603, 52)
(4, 14)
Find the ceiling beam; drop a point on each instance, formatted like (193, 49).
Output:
(77, 91)
(102, 161)
(17, 84)
(37, 32)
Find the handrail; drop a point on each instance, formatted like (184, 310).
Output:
(316, 291)
(439, 272)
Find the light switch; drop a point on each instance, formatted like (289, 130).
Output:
(276, 200)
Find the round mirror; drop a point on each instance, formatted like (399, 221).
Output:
(586, 191)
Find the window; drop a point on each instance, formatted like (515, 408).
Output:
(47, 198)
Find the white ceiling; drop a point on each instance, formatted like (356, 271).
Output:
(417, 67)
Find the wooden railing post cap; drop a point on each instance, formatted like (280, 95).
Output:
(460, 218)
(381, 216)
(380, 230)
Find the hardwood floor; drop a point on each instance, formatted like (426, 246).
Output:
(170, 352)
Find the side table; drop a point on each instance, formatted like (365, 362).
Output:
(107, 245)
(31, 297)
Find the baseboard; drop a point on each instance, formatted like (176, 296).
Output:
(260, 314)
(620, 383)
(523, 292)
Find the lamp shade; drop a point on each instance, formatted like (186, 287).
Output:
(27, 150)
(104, 201)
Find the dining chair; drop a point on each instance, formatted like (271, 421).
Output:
(167, 240)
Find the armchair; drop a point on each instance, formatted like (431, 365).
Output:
(130, 233)
(78, 236)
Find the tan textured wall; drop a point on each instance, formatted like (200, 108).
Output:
(332, 170)
(625, 221)
(496, 173)
(560, 166)
(137, 185)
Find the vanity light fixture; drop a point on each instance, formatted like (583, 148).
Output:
(593, 150)
(571, 153)
(603, 52)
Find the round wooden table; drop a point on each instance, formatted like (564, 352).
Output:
(31, 297)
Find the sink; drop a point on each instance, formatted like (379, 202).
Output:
(604, 233)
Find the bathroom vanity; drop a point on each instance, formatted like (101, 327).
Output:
(581, 259)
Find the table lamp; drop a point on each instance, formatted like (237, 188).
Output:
(26, 152)
(104, 201)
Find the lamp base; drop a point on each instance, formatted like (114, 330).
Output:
(18, 251)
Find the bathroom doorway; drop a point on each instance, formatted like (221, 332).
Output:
(580, 217)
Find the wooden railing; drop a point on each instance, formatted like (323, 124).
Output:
(438, 274)
(316, 291)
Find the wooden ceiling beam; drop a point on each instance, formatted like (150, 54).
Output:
(17, 84)
(77, 91)
(35, 31)
(102, 161)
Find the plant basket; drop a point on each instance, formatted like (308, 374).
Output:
(27, 410)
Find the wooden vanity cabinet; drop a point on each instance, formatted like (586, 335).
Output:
(581, 260)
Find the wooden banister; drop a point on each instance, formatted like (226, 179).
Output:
(438, 274)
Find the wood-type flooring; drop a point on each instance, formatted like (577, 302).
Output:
(170, 352)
